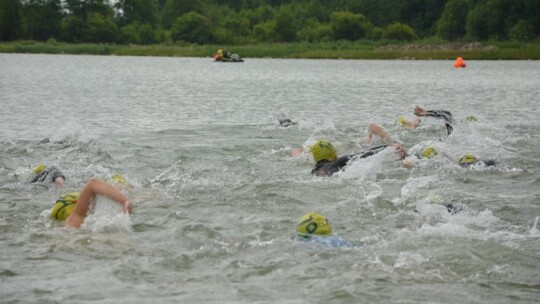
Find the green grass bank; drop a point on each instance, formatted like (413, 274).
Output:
(423, 50)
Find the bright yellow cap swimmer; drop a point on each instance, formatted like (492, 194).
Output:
(313, 223)
(64, 205)
(467, 159)
(429, 152)
(39, 169)
(323, 149)
(402, 120)
(119, 179)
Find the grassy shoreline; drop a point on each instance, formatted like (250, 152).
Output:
(337, 50)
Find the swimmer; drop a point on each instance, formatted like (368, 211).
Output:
(327, 162)
(314, 227)
(411, 160)
(284, 121)
(376, 129)
(447, 116)
(408, 124)
(469, 160)
(73, 207)
(48, 174)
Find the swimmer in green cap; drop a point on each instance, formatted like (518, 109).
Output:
(469, 160)
(427, 153)
(328, 163)
(314, 227)
(43, 174)
(73, 207)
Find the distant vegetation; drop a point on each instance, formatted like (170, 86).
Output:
(182, 23)
(323, 50)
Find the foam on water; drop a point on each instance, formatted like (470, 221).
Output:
(216, 193)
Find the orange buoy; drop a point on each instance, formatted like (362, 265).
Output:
(459, 63)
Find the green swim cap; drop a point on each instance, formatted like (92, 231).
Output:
(119, 179)
(39, 168)
(313, 223)
(402, 120)
(323, 149)
(64, 205)
(429, 152)
(471, 118)
(467, 159)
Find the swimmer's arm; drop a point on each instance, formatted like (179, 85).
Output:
(446, 115)
(376, 129)
(88, 194)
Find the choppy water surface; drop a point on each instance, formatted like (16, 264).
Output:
(217, 194)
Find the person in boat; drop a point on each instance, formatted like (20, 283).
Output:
(44, 174)
(328, 163)
(226, 54)
(72, 207)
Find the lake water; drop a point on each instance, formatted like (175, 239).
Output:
(217, 195)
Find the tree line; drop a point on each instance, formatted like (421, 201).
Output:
(255, 21)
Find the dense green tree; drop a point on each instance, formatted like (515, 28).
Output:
(72, 29)
(100, 28)
(177, 8)
(285, 26)
(129, 34)
(41, 19)
(147, 34)
(451, 25)
(399, 31)
(142, 11)
(192, 27)
(265, 31)
(477, 23)
(379, 12)
(421, 15)
(245, 21)
(348, 26)
(315, 9)
(262, 13)
(314, 31)
(82, 8)
(521, 31)
(10, 23)
(233, 29)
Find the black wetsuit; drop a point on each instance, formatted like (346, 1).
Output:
(49, 174)
(327, 168)
(447, 116)
(480, 163)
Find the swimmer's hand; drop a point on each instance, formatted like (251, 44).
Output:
(419, 111)
(400, 150)
(127, 207)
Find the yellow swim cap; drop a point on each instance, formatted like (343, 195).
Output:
(119, 179)
(467, 159)
(323, 149)
(402, 120)
(64, 205)
(471, 118)
(313, 223)
(429, 152)
(39, 169)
